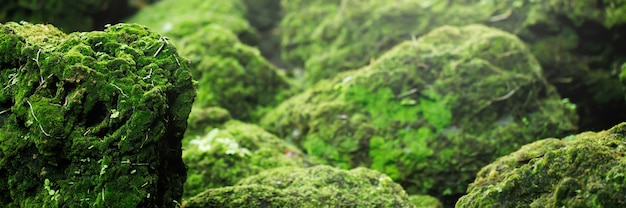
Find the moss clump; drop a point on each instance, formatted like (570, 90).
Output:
(431, 112)
(232, 151)
(318, 186)
(91, 119)
(177, 19)
(326, 36)
(232, 75)
(425, 201)
(212, 34)
(584, 170)
(574, 41)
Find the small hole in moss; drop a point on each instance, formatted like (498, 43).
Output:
(96, 115)
(53, 85)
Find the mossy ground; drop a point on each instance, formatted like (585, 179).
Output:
(318, 186)
(91, 119)
(584, 170)
(431, 112)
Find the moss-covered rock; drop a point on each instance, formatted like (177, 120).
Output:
(230, 152)
(318, 186)
(574, 41)
(584, 170)
(429, 113)
(232, 75)
(213, 36)
(177, 19)
(425, 201)
(91, 119)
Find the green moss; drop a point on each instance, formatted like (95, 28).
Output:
(91, 119)
(177, 19)
(425, 201)
(213, 36)
(318, 186)
(584, 170)
(327, 37)
(574, 41)
(222, 156)
(232, 75)
(429, 113)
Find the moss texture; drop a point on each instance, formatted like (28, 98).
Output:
(214, 35)
(425, 201)
(318, 186)
(232, 75)
(429, 113)
(584, 170)
(177, 19)
(91, 119)
(574, 41)
(232, 151)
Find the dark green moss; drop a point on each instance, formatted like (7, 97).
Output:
(318, 186)
(584, 170)
(431, 112)
(91, 119)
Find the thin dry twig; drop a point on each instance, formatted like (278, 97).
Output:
(33, 113)
(120, 89)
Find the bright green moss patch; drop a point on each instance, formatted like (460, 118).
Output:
(574, 41)
(430, 112)
(318, 186)
(584, 170)
(232, 151)
(91, 119)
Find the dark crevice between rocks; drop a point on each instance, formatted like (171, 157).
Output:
(600, 100)
(595, 89)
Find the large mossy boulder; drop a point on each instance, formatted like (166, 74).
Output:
(584, 170)
(91, 119)
(431, 112)
(215, 36)
(231, 151)
(318, 186)
(576, 42)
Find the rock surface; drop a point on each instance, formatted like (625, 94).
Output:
(429, 113)
(584, 170)
(91, 119)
